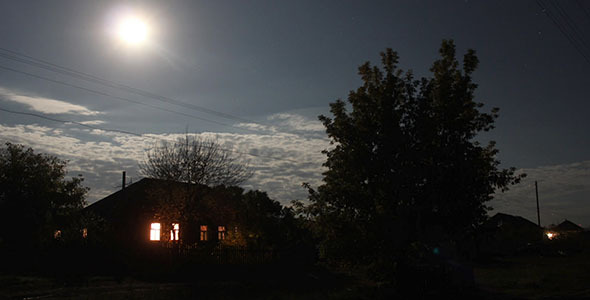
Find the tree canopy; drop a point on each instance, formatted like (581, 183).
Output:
(406, 166)
(35, 196)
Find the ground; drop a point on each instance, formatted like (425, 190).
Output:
(535, 277)
(530, 276)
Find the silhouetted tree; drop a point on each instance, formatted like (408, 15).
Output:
(195, 160)
(35, 197)
(405, 171)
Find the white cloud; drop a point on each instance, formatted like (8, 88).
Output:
(286, 123)
(297, 122)
(282, 163)
(47, 105)
(93, 122)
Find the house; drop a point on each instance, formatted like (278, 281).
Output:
(508, 234)
(567, 227)
(157, 212)
(564, 229)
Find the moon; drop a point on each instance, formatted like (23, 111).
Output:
(133, 30)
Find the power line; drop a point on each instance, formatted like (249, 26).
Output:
(139, 135)
(563, 30)
(36, 62)
(120, 98)
(68, 121)
(583, 8)
(571, 24)
(112, 84)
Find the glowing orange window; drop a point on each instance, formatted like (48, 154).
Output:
(174, 232)
(155, 232)
(221, 233)
(203, 232)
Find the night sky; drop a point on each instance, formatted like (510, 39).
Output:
(260, 72)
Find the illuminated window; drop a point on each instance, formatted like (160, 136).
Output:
(57, 234)
(203, 232)
(221, 233)
(84, 232)
(155, 232)
(174, 232)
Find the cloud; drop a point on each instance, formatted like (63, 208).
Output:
(46, 105)
(297, 122)
(281, 161)
(286, 123)
(93, 122)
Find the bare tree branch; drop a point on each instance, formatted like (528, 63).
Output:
(195, 160)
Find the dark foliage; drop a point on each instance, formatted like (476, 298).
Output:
(36, 199)
(405, 174)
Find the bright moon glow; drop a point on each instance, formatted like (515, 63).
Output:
(133, 30)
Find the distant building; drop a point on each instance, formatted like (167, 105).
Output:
(506, 234)
(566, 228)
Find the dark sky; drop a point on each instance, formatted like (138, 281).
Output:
(280, 64)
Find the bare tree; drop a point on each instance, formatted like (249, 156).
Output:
(197, 160)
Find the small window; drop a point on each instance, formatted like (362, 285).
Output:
(221, 233)
(203, 232)
(155, 232)
(174, 232)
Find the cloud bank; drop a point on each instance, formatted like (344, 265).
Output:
(46, 105)
(286, 153)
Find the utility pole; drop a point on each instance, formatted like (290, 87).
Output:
(537, 194)
(123, 181)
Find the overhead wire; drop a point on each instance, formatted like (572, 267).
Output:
(584, 9)
(67, 121)
(571, 24)
(121, 98)
(44, 64)
(563, 30)
(30, 60)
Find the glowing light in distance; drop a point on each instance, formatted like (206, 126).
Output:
(551, 235)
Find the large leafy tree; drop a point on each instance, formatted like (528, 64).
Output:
(35, 196)
(406, 168)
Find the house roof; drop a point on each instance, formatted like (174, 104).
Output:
(568, 226)
(136, 196)
(505, 220)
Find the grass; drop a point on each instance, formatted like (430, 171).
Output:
(535, 277)
(310, 284)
